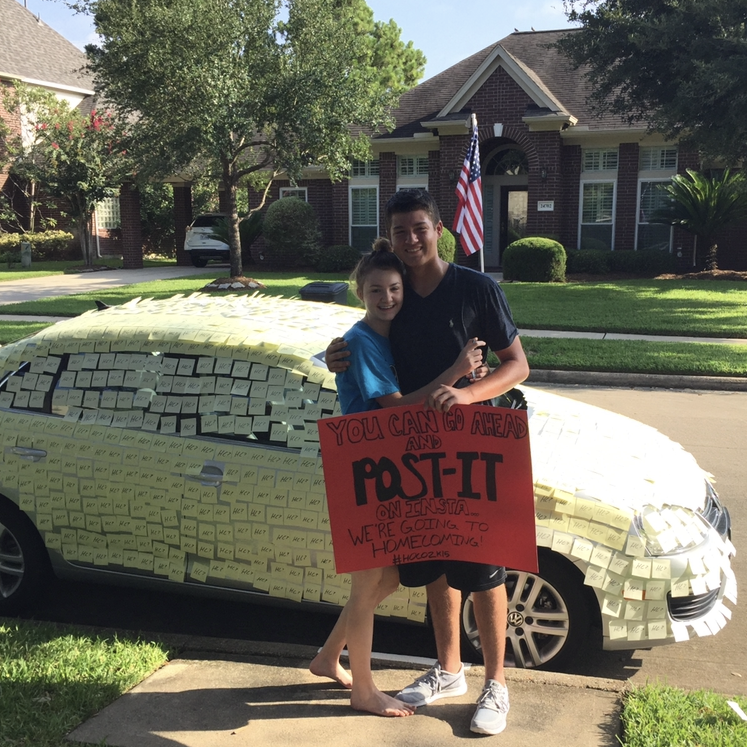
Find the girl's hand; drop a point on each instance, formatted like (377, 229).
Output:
(335, 356)
(445, 397)
(470, 358)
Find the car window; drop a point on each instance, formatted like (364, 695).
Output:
(175, 394)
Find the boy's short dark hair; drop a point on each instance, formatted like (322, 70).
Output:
(408, 201)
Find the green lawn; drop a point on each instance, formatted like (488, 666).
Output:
(662, 716)
(53, 678)
(703, 308)
(674, 307)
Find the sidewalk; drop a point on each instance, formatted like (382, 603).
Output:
(223, 692)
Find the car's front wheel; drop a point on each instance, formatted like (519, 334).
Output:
(548, 617)
(199, 261)
(24, 563)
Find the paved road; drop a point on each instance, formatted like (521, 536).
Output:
(711, 425)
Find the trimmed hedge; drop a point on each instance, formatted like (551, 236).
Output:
(646, 263)
(534, 260)
(339, 258)
(291, 231)
(447, 246)
(46, 246)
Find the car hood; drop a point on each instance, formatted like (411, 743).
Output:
(592, 453)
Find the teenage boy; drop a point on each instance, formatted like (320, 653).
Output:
(444, 306)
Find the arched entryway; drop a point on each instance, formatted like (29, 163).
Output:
(505, 180)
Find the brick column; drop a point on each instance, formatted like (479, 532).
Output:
(627, 197)
(132, 233)
(387, 185)
(545, 184)
(453, 150)
(182, 218)
(569, 202)
(340, 212)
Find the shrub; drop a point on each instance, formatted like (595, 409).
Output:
(593, 244)
(588, 261)
(291, 232)
(47, 246)
(646, 263)
(447, 246)
(534, 259)
(340, 258)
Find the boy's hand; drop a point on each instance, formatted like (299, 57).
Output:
(445, 397)
(335, 355)
(470, 357)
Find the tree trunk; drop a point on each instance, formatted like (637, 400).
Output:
(85, 240)
(711, 258)
(230, 182)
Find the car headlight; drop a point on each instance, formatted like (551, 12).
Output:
(670, 529)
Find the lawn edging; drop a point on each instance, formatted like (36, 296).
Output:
(655, 381)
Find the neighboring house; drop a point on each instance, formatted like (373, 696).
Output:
(35, 54)
(549, 166)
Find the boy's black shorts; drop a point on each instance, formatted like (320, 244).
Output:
(460, 574)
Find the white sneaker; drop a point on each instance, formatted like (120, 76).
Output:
(434, 684)
(492, 708)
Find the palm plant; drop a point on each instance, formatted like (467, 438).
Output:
(250, 228)
(703, 206)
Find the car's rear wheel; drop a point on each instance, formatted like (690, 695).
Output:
(24, 563)
(199, 261)
(548, 617)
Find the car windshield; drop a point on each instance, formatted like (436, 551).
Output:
(207, 221)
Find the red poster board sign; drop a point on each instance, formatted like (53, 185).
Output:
(406, 484)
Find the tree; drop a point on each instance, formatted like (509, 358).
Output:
(247, 89)
(703, 206)
(77, 158)
(677, 65)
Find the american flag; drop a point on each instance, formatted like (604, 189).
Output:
(468, 218)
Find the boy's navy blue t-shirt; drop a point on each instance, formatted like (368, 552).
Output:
(429, 333)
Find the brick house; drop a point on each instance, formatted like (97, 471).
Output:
(36, 55)
(549, 166)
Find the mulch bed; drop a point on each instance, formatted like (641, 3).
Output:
(708, 275)
(240, 283)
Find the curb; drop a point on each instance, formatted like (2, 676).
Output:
(636, 380)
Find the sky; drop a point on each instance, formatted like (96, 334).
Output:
(447, 31)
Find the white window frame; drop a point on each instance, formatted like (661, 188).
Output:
(300, 192)
(365, 169)
(584, 182)
(603, 154)
(108, 214)
(417, 165)
(370, 184)
(638, 221)
(649, 150)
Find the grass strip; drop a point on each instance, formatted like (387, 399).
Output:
(636, 356)
(11, 331)
(663, 716)
(52, 678)
(45, 269)
(655, 307)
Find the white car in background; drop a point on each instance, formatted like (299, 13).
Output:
(199, 242)
(174, 443)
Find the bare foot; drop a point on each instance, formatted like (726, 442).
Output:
(380, 704)
(322, 668)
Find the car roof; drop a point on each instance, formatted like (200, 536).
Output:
(278, 331)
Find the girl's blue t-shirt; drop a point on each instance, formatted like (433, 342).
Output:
(372, 373)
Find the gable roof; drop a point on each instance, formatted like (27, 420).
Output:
(33, 52)
(547, 77)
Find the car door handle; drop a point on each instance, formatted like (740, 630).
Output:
(30, 455)
(206, 478)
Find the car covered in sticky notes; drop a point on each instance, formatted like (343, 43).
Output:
(174, 443)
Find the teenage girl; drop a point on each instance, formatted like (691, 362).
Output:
(369, 383)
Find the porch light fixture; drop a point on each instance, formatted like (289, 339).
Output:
(543, 173)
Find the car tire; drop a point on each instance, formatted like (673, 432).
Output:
(199, 261)
(548, 617)
(24, 562)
